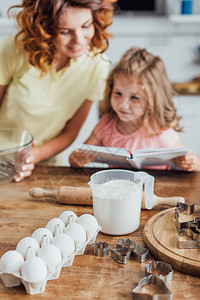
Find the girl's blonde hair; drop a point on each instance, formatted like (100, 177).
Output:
(39, 23)
(151, 73)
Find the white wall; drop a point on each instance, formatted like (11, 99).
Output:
(177, 44)
(5, 4)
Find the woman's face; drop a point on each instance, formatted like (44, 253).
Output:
(76, 32)
(128, 99)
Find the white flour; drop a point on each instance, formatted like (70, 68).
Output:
(118, 182)
(117, 206)
(116, 189)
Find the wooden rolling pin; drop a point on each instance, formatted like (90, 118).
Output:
(83, 196)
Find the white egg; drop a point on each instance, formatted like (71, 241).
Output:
(65, 243)
(88, 222)
(68, 216)
(51, 255)
(11, 261)
(34, 270)
(25, 243)
(76, 232)
(56, 226)
(40, 233)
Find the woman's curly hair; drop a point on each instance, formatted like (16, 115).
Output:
(39, 23)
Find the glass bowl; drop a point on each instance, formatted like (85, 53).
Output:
(15, 144)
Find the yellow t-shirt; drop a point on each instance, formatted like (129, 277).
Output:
(43, 105)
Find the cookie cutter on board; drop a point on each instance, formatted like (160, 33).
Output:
(183, 209)
(165, 270)
(166, 295)
(190, 229)
(193, 243)
(139, 253)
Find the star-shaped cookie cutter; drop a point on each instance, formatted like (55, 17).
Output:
(160, 269)
(190, 228)
(167, 294)
(139, 253)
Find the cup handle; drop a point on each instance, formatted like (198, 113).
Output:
(148, 181)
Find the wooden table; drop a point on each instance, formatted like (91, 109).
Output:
(90, 277)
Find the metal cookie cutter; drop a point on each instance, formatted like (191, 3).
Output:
(194, 243)
(138, 252)
(190, 228)
(163, 270)
(101, 249)
(182, 210)
(121, 255)
(166, 295)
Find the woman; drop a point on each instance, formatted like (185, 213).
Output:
(52, 72)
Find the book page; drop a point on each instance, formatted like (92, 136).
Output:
(161, 152)
(162, 156)
(143, 157)
(109, 155)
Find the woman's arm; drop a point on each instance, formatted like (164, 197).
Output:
(58, 144)
(78, 158)
(66, 137)
(2, 92)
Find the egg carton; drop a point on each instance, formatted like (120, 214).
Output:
(12, 279)
(90, 239)
(91, 234)
(40, 258)
(15, 279)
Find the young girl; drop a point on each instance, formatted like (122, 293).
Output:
(137, 111)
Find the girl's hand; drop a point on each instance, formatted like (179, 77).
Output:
(79, 159)
(190, 162)
(29, 164)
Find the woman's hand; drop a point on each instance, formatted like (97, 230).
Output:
(29, 164)
(26, 169)
(79, 159)
(189, 162)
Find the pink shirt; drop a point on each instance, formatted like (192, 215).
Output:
(108, 136)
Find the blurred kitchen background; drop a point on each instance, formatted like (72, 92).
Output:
(168, 28)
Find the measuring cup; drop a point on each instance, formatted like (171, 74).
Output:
(117, 208)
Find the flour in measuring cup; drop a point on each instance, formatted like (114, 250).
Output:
(118, 182)
(118, 189)
(117, 206)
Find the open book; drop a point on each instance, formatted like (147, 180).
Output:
(124, 158)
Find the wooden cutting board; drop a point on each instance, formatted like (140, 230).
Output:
(160, 237)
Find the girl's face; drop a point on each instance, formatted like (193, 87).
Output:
(76, 32)
(128, 99)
